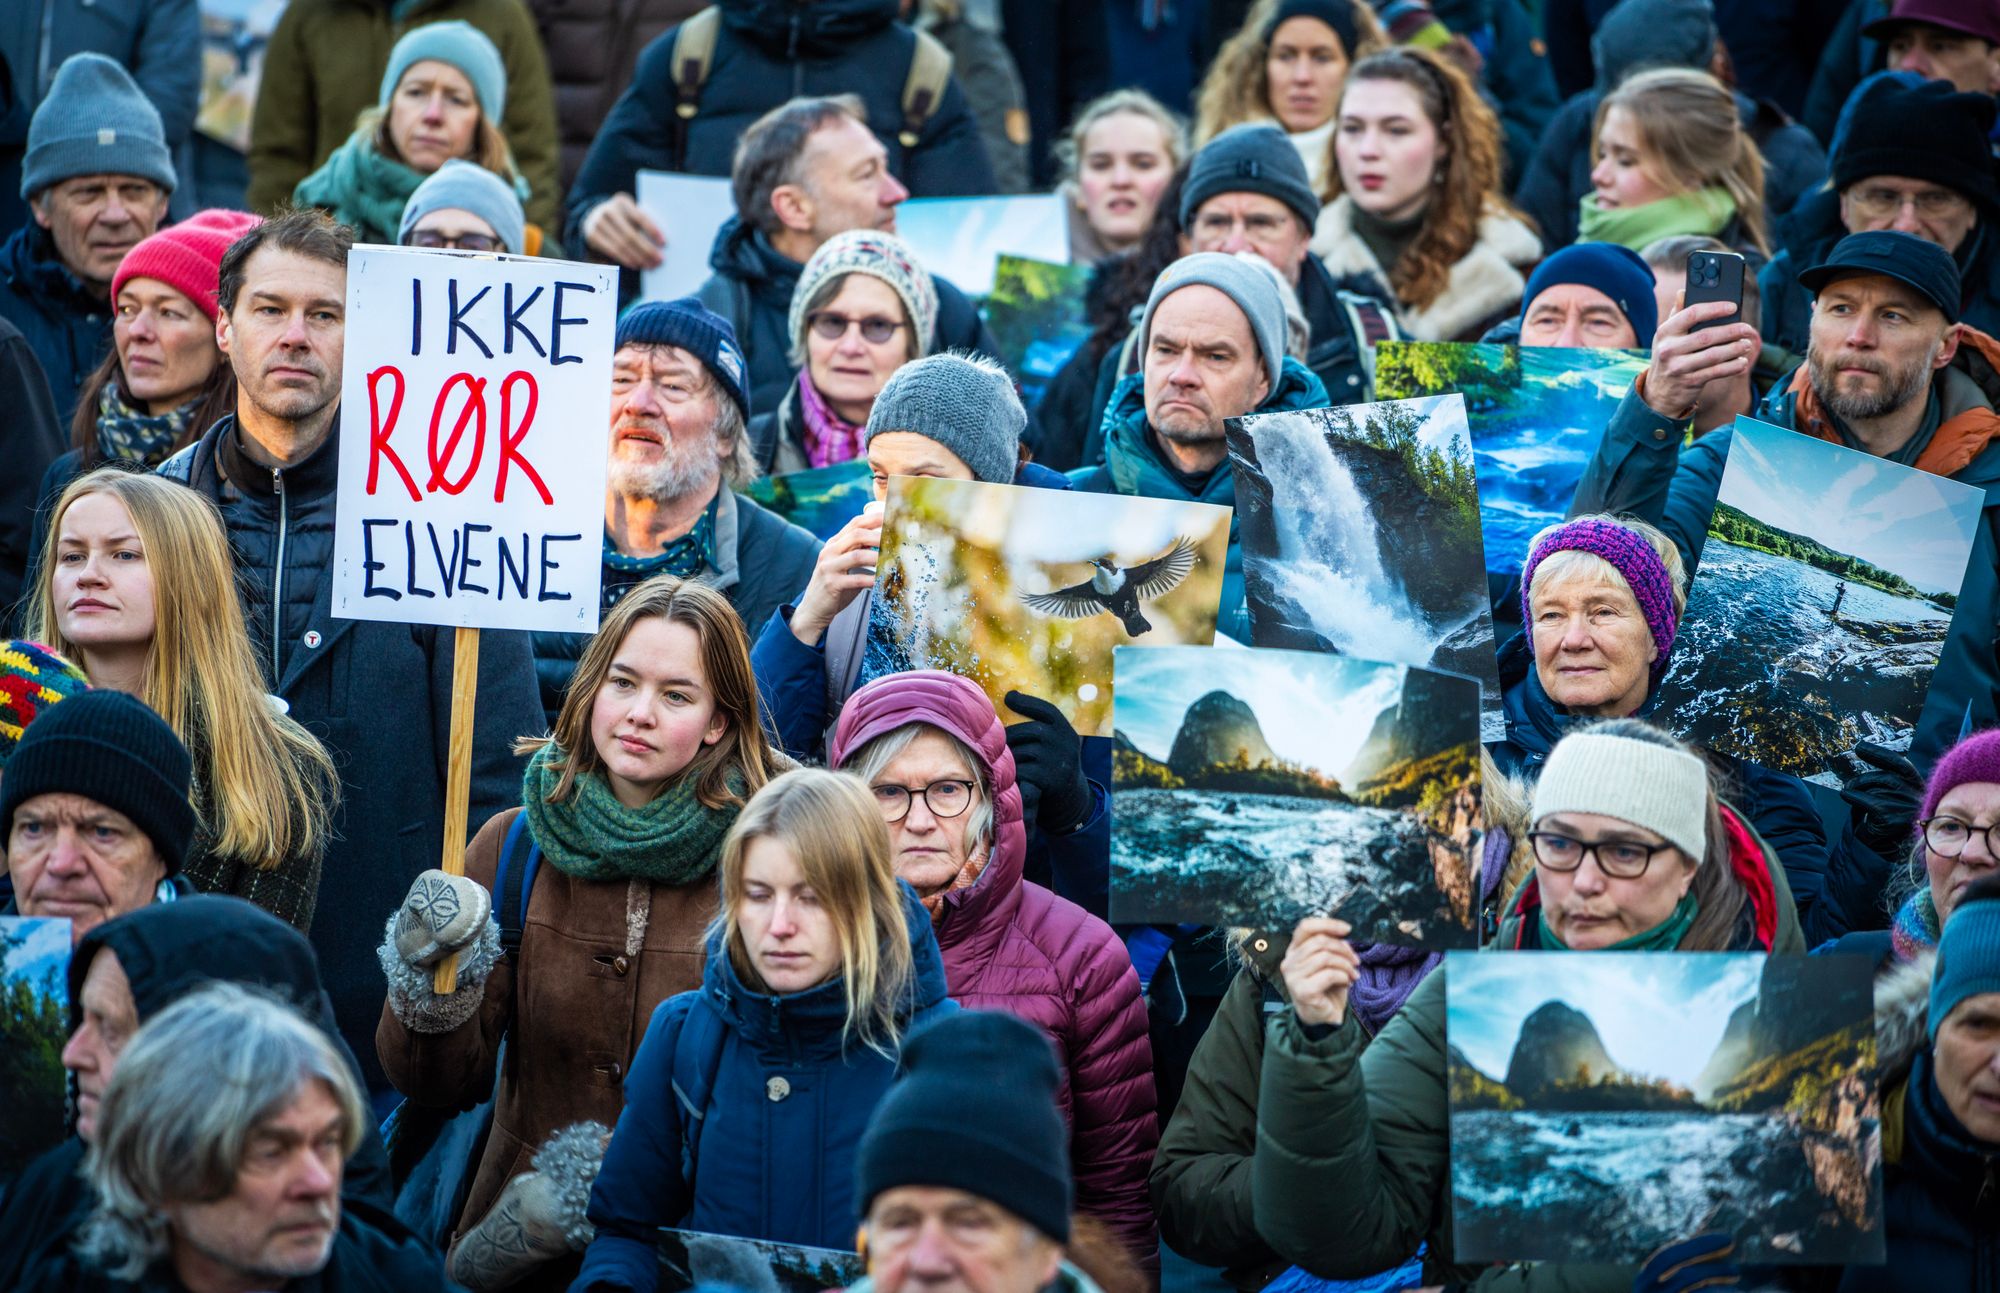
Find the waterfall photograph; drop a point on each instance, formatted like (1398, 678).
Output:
(1821, 605)
(691, 1259)
(34, 1025)
(1031, 589)
(1361, 536)
(1260, 787)
(1606, 1103)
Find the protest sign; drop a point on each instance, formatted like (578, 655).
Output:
(959, 239)
(1037, 316)
(1291, 784)
(1535, 415)
(1030, 589)
(694, 1259)
(34, 1025)
(690, 210)
(1825, 593)
(1360, 534)
(1604, 1104)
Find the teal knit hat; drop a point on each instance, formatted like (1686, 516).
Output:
(94, 121)
(1968, 956)
(464, 47)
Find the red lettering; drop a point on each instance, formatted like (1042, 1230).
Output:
(474, 406)
(510, 438)
(380, 429)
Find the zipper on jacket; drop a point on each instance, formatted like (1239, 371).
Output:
(278, 578)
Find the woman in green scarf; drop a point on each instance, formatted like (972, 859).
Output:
(655, 751)
(1671, 157)
(442, 95)
(1633, 852)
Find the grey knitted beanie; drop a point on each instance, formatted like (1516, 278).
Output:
(964, 402)
(95, 121)
(1251, 288)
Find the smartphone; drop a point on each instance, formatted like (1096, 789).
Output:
(1715, 276)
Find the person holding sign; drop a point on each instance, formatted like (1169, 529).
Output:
(1633, 852)
(271, 469)
(615, 846)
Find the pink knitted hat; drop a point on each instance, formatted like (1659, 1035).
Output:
(188, 256)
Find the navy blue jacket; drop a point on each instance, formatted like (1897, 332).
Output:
(768, 52)
(774, 1145)
(1515, 74)
(66, 323)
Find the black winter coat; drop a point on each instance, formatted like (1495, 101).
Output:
(377, 695)
(31, 441)
(770, 51)
(1062, 49)
(67, 324)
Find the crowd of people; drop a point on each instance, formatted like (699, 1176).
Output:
(751, 943)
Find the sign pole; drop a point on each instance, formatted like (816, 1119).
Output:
(458, 778)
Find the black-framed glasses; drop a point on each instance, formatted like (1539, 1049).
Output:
(431, 240)
(1619, 859)
(832, 327)
(1948, 836)
(948, 798)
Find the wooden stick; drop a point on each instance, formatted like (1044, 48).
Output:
(458, 777)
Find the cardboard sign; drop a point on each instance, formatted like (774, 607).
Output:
(690, 210)
(477, 391)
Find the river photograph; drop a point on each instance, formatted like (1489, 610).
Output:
(1360, 531)
(1603, 1104)
(1821, 604)
(1293, 784)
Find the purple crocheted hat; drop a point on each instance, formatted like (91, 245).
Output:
(1976, 758)
(1629, 554)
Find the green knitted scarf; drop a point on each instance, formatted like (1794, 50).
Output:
(674, 840)
(1704, 211)
(1663, 937)
(359, 186)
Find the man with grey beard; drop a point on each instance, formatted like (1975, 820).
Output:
(1890, 371)
(680, 411)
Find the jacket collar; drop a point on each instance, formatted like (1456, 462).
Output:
(317, 473)
(29, 260)
(743, 253)
(1135, 466)
(1486, 281)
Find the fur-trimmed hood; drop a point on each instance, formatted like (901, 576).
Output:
(1902, 1013)
(1486, 283)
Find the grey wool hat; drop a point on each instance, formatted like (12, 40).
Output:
(94, 121)
(964, 402)
(1248, 286)
(464, 186)
(1255, 157)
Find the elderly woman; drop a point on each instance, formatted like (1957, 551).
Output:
(862, 309)
(933, 751)
(1633, 852)
(463, 207)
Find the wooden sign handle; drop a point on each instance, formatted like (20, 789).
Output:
(458, 777)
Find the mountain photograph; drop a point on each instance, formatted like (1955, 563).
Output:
(1606, 1103)
(1259, 787)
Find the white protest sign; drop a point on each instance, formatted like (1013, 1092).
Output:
(689, 209)
(477, 390)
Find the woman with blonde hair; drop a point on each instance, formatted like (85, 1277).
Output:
(1287, 64)
(1118, 157)
(609, 868)
(138, 587)
(1420, 206)
(1670, 156)
(749, 1097)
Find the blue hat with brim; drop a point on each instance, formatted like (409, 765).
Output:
(1925, 267)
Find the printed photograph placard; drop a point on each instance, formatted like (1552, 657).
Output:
(1031, 589)
(1360, 533)
(1825, 592)
(1606, 1103)
(820, 499)
(1036, 313)
(34, 1025)
(1291, 784)
(958, 239)
(691, 1259)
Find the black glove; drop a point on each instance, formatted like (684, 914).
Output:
(1703, 1262)
(1048, 766)
(1884, 799)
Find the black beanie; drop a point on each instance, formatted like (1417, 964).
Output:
(975, 1110)
(1254, 157)
(1336, 14)
(1927, 131)
(108, 747)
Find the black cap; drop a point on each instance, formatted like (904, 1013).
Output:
(108, 747)
(1925, 266)
(1898, 125)
(1254, 157)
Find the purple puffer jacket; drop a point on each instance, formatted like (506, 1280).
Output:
(1012, 945)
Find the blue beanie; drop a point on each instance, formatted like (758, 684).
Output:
(464, 47)
(464, 186)
(1968, 955)
(693, 327)
(1616, 271)
(94, 121)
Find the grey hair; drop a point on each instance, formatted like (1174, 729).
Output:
(879, 752)
(768, 154)
(1671, 253)
(732, 437)
(190, 1088)
(1570, 563)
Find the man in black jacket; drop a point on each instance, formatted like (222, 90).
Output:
(377, 695)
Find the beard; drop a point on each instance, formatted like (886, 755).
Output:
(1897, 390)
(680, 470)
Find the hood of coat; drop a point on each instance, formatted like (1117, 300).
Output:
(1902, 1013)
(169, 949)
(741, 252)
(811, 1023)
(958, 706)
(1135, 468)
(807, 28)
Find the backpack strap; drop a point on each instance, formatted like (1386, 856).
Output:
(514, 883)
(924, 87)
(693, 58)
(697, 1059)
(1370, 323)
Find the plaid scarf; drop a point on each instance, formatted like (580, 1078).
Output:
(127, 435)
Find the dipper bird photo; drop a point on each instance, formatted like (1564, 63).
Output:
(1114, 591)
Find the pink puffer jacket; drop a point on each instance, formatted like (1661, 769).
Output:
(1012, 945)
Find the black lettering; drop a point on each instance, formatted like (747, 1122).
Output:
(369, 565)
(542, 593)
(468, 561)
(416, 316)
(508, 570)
(514, 323)
(556, 321)
(459, 325)
(446, 569)
(410, 570)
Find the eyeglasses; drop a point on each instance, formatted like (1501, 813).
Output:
(1619, 859)
(943, 798)
(431, 240)
(832, 327)
(1948, 836)
(1879, 203)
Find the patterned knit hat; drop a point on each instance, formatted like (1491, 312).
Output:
(879, 255)
(188, 256)
(32, 678)
(1629, 554)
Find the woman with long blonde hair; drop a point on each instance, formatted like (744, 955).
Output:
(137, 586)
(1670, 156)
(749, 1097)
(1418, 157)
